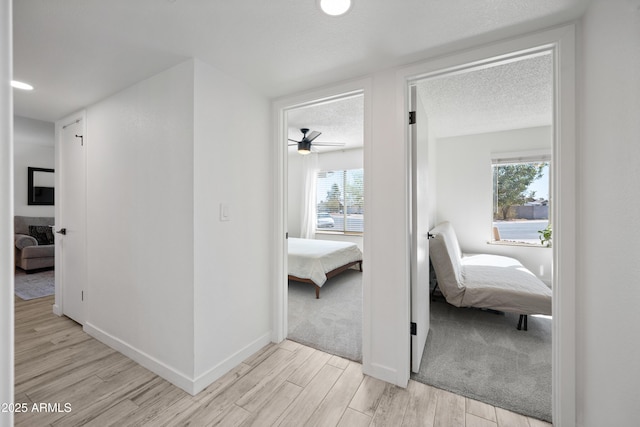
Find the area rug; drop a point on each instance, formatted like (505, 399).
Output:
(481, 355)
(332, 323)
(36, 285)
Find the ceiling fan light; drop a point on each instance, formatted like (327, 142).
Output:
(304, 147)
(335, 7)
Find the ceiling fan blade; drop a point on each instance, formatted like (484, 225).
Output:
(293, 140)
(330, 144)
(295, 143)
(313, 135)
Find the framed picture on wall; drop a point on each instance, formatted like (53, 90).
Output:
(40, 186)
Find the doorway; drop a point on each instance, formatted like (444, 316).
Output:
(325, 196)
(478, 115)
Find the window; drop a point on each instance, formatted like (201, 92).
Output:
(340, 195)
(521, 204)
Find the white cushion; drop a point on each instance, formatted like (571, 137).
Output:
(445, 254)
(503, 283)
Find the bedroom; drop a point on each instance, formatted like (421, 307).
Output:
(477, 120)
(325, 202)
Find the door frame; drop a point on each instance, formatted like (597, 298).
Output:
(81, 117)
(279, 109)
(561, 42)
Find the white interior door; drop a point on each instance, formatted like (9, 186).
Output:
(71, 219)
(419, 232)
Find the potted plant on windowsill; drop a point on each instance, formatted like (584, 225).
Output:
(546, 236)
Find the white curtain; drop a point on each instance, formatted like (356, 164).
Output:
(310, 175)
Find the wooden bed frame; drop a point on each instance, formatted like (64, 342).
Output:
(329, 275)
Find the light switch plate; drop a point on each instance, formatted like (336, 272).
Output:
(225, 214)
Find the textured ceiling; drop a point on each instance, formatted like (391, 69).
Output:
(339, 121)
(515, 95)
(76, 52)
(507, 96)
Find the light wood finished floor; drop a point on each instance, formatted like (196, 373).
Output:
(286, 385)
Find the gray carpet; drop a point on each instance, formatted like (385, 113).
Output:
(36, 285)
(481, 355)
(332, 323)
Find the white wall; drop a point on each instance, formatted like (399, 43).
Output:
(170, 284)
(386, 309)
(140, 220)
(464, 190)
(341, 159)
(331, 160)
(608, 321)
(33, 147)
(232, 266)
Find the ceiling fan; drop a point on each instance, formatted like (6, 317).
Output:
(304, 145)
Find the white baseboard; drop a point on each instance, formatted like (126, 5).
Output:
(57, 310)
(168, 373)
(207, 378)
(383, 373)
(175, 377)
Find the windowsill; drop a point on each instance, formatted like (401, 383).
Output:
(522, 244)
(339, 233)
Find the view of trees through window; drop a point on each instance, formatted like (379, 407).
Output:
(521, 202)
(340, 203)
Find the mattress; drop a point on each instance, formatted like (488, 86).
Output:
(313, 259)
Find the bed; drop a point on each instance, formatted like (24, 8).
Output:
(315, 261)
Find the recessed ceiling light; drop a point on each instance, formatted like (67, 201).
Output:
(335, 7)
(21, 85)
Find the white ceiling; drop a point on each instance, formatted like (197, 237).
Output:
(76, 52)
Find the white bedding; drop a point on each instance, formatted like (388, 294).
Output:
(312, 259)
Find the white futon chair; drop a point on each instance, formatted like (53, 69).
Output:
(485, 281)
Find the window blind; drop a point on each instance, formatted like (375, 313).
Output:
(340, 196)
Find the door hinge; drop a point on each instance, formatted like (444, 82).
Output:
(414, 328)
(412, 117)
(286, 236)
(82, 295)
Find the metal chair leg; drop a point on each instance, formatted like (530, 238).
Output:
(521, 320)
